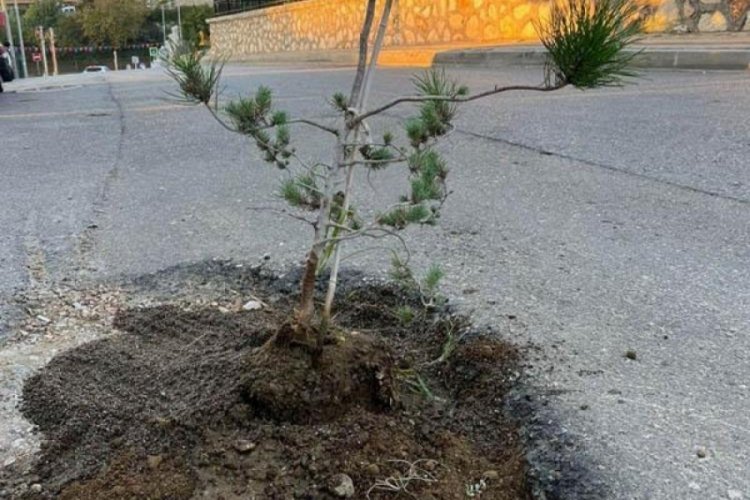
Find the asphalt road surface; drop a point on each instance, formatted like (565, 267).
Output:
(589, 223)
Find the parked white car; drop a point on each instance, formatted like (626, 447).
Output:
(95, 69)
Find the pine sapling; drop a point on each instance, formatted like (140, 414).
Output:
(585, 41)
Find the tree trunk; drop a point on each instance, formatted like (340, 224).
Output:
(361, 90)
(364, 40)
(305, 311)
(306, 308)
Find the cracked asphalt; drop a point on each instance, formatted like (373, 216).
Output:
(587, 223)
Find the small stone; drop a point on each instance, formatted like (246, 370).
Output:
(154, 461)
(373, 469)
(734, 495)
(342, 486)
(701, 452)
(491, 475)
(252, 305)
(712, 22)
(43, 319)
(244, 446)
(631, 354)
(36, 488)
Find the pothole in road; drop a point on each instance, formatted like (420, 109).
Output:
(113, 424)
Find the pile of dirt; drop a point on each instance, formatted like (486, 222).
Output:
(195, 402)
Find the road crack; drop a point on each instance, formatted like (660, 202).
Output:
(84, 252)
(604, 166)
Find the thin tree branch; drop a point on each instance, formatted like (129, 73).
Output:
(376, 162)
(330, 130)
(320, 126)
(377, 47)
(283, 212)
(364, 38)
(425, 98)
(224, 124)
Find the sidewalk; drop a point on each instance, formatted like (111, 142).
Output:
(721, 51)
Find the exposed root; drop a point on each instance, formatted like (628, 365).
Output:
(399, 482)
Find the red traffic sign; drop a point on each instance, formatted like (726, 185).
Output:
(36, 57)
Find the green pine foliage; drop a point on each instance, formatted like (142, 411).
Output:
(428, 287)
(255, 117)
(427, 169)
(379, 157)
(340, 102)
(585, 41)
(404, 215)
(301, 192)
(431, 280)
(198, 82)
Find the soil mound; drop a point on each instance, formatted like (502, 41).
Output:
(194, 403)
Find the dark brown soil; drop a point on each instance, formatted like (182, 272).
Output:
(192, 404)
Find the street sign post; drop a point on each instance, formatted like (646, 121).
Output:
(20, 40)
(37, 58)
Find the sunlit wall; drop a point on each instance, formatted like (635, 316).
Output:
(327, 26)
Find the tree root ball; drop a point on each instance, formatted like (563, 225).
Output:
(292, 384)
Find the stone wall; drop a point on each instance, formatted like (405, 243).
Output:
(696, 16)
(331, 25)
(320, 25)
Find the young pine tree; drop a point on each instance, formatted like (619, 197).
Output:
(586, 42)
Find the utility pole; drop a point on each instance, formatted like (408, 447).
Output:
(163, 25)
(43, 43)
(179, 18)
(53, 51)
(20, 40)
(9, 35)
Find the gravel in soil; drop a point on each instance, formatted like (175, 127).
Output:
(189, 401)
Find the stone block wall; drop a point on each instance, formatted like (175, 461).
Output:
(317, 25)
(697, 16)
(326, 25)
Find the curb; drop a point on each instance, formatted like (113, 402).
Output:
(648, 57)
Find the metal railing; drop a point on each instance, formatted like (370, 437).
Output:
(224, 7)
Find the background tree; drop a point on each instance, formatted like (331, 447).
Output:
(69, 31)
(43, 13)
(585, 40)
(113, 22)
(194, 22)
